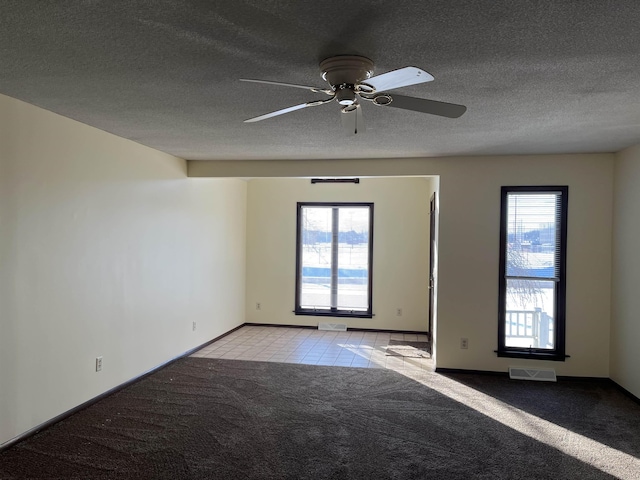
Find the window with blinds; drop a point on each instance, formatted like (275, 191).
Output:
(532, 272)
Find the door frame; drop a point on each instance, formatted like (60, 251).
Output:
(433, 206)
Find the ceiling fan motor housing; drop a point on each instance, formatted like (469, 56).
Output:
(346, 71)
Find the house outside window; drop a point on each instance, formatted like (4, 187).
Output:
(532, 282)
(334, 256)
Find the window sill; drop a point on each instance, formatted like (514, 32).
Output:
(328, 313)
(532, 355)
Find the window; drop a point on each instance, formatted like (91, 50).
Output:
(533, 245)
(333, 259)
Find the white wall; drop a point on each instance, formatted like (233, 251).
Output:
(106, 248)
(469, 245)
(625, 321)
(400, 248)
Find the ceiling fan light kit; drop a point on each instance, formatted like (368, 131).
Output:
(350, 80)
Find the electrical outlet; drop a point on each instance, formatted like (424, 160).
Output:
(193, 327)
(398, 312)
(258, 306)
(464, 343)
(98, 364)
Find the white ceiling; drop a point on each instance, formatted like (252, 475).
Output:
(537, 76)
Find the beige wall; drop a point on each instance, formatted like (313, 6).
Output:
(106, 249)
(400, 247)
(468, 245)
(468, 307)
(625, 322)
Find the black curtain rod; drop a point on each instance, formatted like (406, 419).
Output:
(335, 180)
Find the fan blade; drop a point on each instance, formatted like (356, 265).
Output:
(398, 78)
(443, 109)
(313, 103)
(352, 120)
(313, 89)
(279, 112)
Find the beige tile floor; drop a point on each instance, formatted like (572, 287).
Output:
(315, 347)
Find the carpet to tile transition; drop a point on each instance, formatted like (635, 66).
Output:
(224, 419)
(404, 348)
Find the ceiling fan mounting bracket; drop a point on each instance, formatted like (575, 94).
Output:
(315, 103)
(346, 69)
(382, 100)
(364, 88)
(349, 108)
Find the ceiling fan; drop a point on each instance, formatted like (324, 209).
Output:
(350, 81)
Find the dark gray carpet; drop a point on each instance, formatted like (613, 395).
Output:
(225, 419)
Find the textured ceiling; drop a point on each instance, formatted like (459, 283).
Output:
(537, 76)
